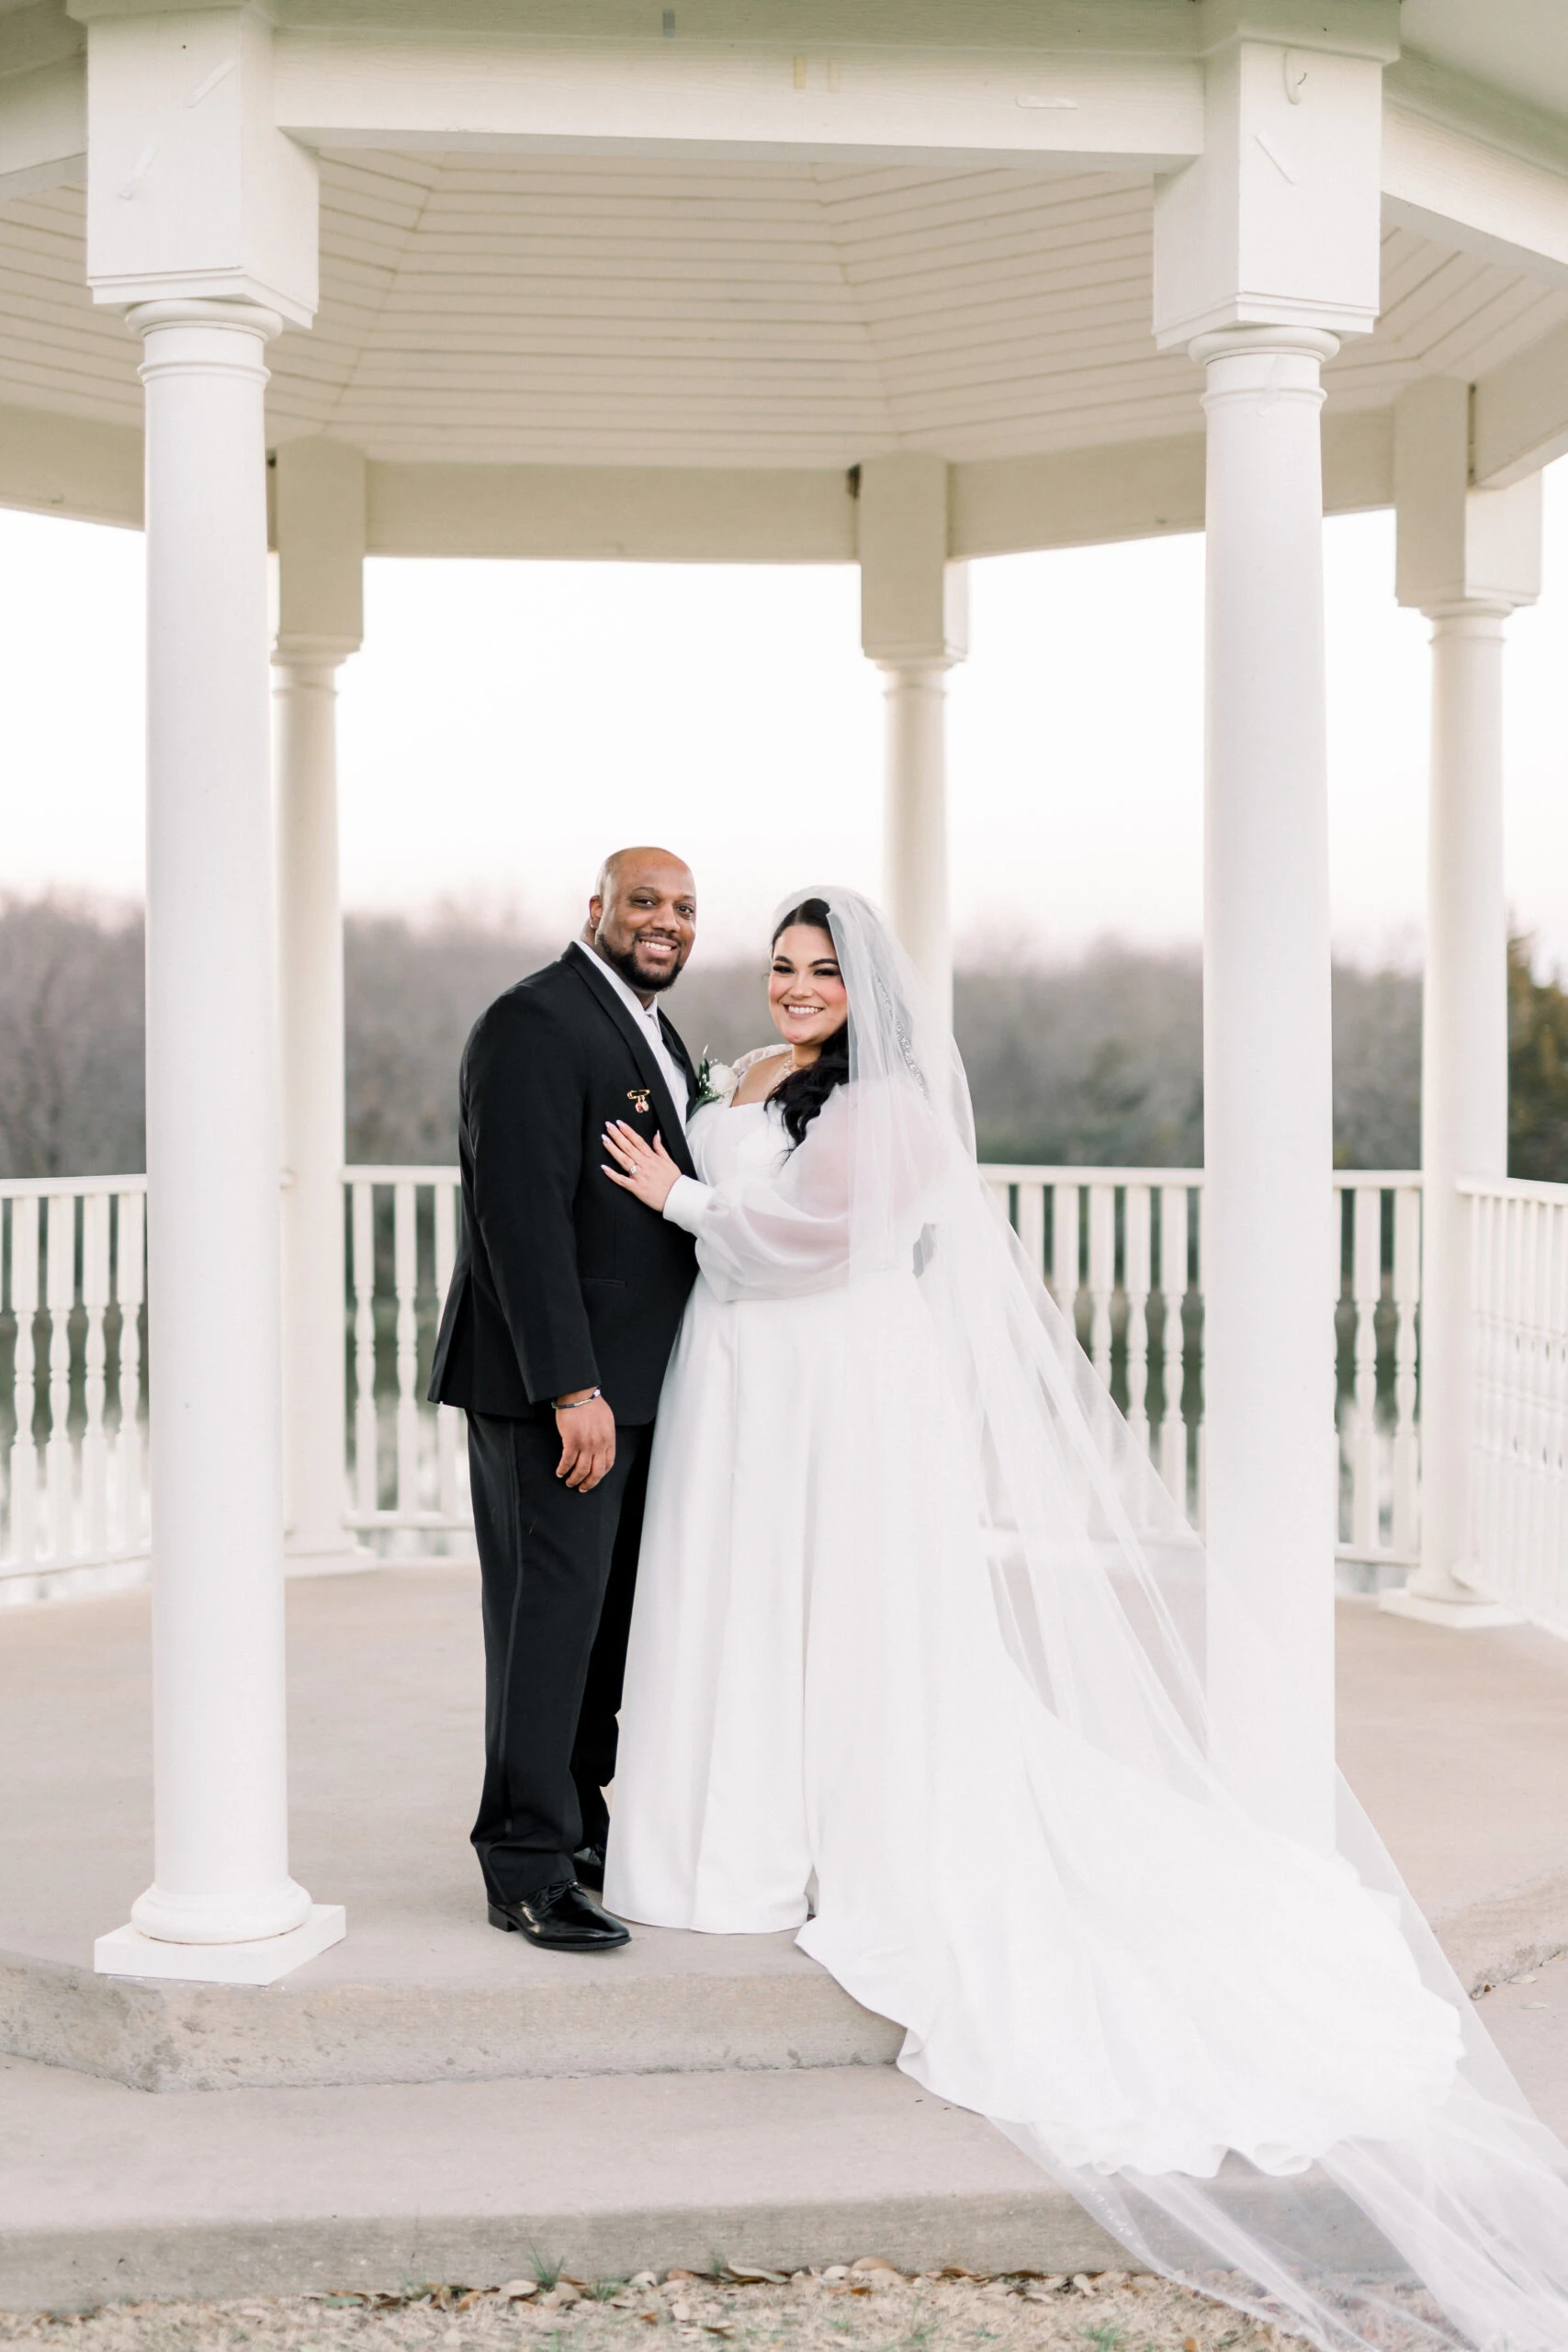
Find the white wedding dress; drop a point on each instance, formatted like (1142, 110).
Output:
(905, 1675)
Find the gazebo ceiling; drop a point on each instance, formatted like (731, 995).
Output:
(639, 312)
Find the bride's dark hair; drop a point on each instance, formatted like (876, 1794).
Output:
(804, 1093)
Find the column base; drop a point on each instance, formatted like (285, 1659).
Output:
(126, 1951)
(1477, 1616)
(333, 1555)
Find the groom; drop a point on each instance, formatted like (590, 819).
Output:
(564, 1300)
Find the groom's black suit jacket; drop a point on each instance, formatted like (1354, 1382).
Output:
(562, 1280)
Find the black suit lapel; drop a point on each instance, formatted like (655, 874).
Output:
(677, 1045)
(671, 1127)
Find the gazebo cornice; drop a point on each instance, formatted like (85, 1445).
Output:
(92, 471)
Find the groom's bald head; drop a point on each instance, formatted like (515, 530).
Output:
(642, 917)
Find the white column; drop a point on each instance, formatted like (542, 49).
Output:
(1466, 559)
(319, 515)
(1464, 1074)
(914, 625)
(309, 934)
(1268, 1093)
(915, 837)
(220, 1813)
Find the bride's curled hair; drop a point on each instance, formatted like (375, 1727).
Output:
(804, 1093)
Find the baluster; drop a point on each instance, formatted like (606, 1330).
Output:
(446, 1414)
(405, 1280)
(1406, 1293)
(363, 1256)
(1173, 1294)
(129, 1285)
(1535, 1424)
(94, 1303)
(1487, 1511)
(1065, 1251)
(1554, 1598)
(1366, 1290)
(1000, 1192)
(1200, 1509)
(24, 1306)
(1031, 1226)
(60, 1291)
(1101, 1273)
(1135, 1265)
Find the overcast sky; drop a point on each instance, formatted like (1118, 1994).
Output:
(507, 723)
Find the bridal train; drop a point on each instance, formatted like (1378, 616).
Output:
(917, 1669)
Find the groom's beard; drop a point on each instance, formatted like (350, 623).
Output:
(632, 972)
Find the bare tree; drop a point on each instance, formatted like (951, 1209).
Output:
(1094, 1062)
(70, 1039)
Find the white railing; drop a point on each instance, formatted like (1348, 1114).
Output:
(1518, 1370)
(73, 1385)
(408, 1467)
(1121, 1248)
(1125, 1245)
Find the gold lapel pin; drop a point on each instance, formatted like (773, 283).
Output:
(638, 1097)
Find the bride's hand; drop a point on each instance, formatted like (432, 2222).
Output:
(642, 1167)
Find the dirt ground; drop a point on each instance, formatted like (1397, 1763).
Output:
(866, 2307)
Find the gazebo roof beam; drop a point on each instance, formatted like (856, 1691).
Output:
(739, 99)
(51, 464)
(1519, 413)
(1475, 169)
(43, 99)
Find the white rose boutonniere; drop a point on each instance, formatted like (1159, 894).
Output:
(716, 1081)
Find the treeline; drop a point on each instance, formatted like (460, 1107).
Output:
(1095, 1062)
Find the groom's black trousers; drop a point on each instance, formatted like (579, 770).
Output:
(558, 1570)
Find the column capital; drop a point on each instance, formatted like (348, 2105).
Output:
(1458, 549)
(324, 653)
(914, 602)
(204, 310)
(1242, 342)
(192, 188)
(316, 490)
(1278, 221)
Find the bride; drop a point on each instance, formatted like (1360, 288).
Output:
(917, 1668)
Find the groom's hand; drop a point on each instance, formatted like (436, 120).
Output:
(588, 1441)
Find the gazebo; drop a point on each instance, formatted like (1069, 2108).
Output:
(768, 282)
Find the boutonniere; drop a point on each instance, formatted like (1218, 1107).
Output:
(716, 1081)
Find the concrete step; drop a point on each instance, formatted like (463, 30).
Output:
(448, 1999)
(107, 2195)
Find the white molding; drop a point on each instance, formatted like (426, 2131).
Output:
(1519, 415)
(1119, 113)
(43, 128)
(71, 466)
(639, 513)
(1133, 490)
(1466, 192)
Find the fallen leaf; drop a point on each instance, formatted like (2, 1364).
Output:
(516, 2289)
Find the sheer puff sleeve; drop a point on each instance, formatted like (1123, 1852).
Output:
(846, 1200)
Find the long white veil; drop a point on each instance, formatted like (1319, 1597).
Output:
(1408, 2198)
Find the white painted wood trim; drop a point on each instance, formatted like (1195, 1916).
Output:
(477, 91)
(1520, 416)
(92, 472)
(1467, 193)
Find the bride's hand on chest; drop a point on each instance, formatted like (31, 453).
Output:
(639, 1167)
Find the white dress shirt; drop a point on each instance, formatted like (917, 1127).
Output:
(647, 1017)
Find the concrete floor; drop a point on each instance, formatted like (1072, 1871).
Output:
(1457, 1746)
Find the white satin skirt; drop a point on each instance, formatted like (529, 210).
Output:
(823, 1730)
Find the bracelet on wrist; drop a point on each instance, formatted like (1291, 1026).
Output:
(593, 1397)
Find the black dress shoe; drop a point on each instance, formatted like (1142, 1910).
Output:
(563, 1917)
(589, 1864)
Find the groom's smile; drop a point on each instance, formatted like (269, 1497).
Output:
(642, 919)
